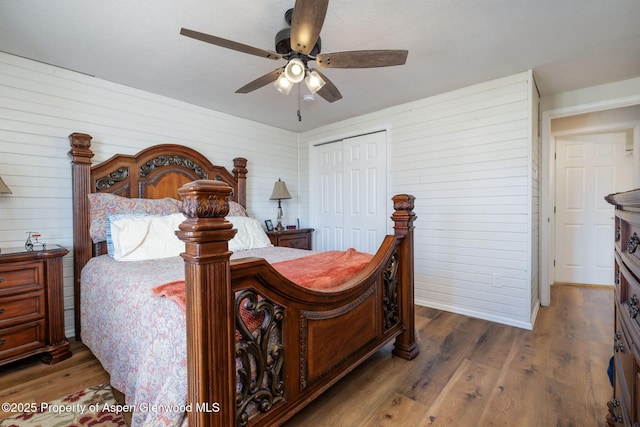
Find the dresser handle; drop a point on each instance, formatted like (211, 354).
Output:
(2, 310)
(634, 241)
(618, 233)
(3, 342)
(619, 347)
(1, 279)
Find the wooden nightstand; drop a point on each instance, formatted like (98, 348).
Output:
(32, 305)
(299, 239)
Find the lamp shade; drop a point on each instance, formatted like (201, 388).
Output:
(280, 191)
(5, 190)
(314, 81)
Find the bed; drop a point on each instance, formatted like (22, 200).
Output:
(208, 362)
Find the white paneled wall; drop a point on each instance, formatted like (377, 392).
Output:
(535, 200)
(41, 105)
(468, 157)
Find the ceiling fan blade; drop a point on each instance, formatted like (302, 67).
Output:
(261, 81)
(329, 91)
(306, 23)
(207, 38)
(362, 58)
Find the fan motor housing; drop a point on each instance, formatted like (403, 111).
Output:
(283, 43)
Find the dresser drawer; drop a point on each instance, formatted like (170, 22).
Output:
(628, 241)
(21, 339)
(624, 363)
(21, 308)
(20, 277)
(628, 299)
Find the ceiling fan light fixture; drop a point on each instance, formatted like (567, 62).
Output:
(295, 70)
(283, 84)
(314, 81)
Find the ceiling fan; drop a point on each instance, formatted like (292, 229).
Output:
(300, 44)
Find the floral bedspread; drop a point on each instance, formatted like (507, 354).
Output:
(140, 338)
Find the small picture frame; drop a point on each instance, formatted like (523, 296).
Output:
(269, 224)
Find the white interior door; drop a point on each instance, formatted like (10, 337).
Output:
(588, 168)
(350, 210)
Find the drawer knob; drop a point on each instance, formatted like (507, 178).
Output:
(619, 347)
(634, 241)
(633, 312)
(617, 336)
(618, 233)
(3, 342)
(1, 279)
(2, 310)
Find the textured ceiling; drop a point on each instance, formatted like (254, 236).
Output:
(569, 44)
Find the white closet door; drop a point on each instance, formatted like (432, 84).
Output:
(365, 198)
(327, 197)
(349, 208)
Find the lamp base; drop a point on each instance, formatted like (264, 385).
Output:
(279, 227)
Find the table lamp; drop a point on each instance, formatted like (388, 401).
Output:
(279, 193)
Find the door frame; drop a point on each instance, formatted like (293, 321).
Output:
(547, 185)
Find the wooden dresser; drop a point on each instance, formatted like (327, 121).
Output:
(624, 408)
(299, 239)
(32, 305)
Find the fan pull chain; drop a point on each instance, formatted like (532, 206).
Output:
(299, 114)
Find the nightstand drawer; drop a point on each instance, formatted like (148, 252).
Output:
(298, 242)
(20, 277)
(297, 239)
(21, 308)
(21, 339)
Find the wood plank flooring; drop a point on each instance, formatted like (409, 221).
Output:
(469, 372)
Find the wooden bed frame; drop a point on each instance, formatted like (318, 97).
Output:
(309, 339)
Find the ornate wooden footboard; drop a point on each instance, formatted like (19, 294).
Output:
(308, 340)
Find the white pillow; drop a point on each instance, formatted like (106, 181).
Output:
(250, 234)
(142, 237)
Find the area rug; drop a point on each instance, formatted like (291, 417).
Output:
(94, 406)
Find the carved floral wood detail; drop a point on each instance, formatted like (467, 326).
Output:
(390, 293)
(163, 161)
(261, 356)
(113, 178)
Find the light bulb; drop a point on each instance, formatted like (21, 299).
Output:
(294, 71)
(283, 85)
(314, 81)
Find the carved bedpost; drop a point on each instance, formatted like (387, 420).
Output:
(81, 155)
(240, 172)
(403, 217)
(210, 303)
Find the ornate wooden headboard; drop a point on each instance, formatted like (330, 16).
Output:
(153, 173)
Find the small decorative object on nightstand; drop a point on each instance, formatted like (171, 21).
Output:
(32, 305)
(299, 239)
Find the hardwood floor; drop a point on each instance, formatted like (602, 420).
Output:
(469, 372)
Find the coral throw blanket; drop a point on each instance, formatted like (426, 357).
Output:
(321, 271)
